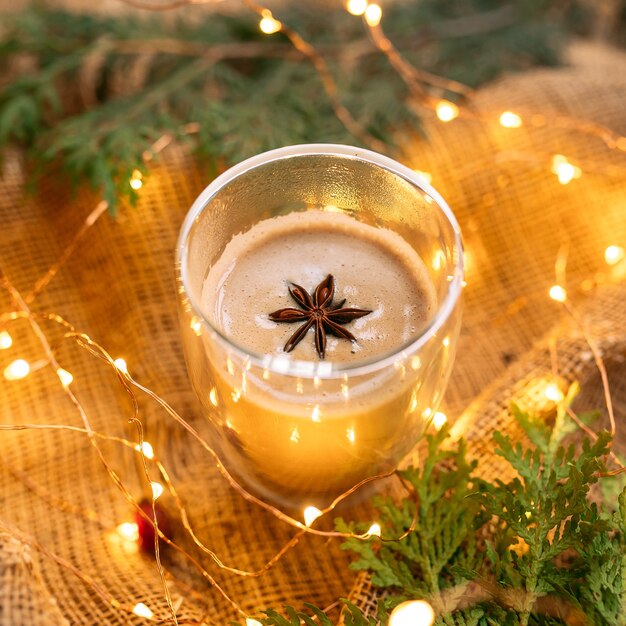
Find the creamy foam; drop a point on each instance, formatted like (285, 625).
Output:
(374, 268)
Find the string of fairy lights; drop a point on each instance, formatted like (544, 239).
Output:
(413, 612)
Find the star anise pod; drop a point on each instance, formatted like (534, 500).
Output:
(317, 310)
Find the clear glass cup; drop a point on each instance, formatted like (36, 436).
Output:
(295, 432)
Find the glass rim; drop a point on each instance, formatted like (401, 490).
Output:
(281, 364)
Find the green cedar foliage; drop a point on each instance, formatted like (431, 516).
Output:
(93, 93)
(537, 549)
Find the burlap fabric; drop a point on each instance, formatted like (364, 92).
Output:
(118, 286)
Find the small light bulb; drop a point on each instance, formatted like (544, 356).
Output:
(268, 24)
(17, 369)
(350, 435)
(446, 111)
(311, 513)
(439, 419)
(157, 490)
(6, 341)
(213, 396)
(558, 293)
(128, 531)
(315, 413)
(146, 449)
(142, 610)
(135, 180)
(374, 530)
(356, 7)
(252, 622)
(65, 377)
(508, 119)
(121, 365)
(552, 392)
(612, 256)
(196, 326)
(412, 613)
(373, 14)
(295, 435)
(564, 170)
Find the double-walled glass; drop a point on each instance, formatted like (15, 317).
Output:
(302, 432)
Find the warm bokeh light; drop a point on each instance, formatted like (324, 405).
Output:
(315, 413)
(373, 14)
(356, 7)
(146, 448)
(268, 24)
(213, 396)
(6, 341)
(128, 531)
(121, 365)
(157, 490)
(142, 610)
(552, 392)
(311, 513)
(374, 530)
(412, 613)
(350, 435)
(612, 256)
(446, 111)
(508, 119)
(439, 419)
(65, 377)
(135, 181)
(17, 369)
(558, 293)
(565, 171)
(427, 176)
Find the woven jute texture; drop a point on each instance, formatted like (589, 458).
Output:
(118, 286)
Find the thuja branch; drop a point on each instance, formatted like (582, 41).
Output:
(99, 91)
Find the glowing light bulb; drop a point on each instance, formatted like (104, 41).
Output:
(157, 490)
(6, 341)
(268, 24)
(373, 14)
(412, 613)
(135, 180)
(508, 119)
(356, 7)
(612, 256)
(213, 396)
(446, 341)
(564, 170)
(121, 365)
(311, 513)
(439, 419)
(558, 293)
(315, 413)
(252, 622)
(65, 377)
(552, 392)
(374, 530)
(446, 111)
(146, 449)
(142, 610)
(128, 531)
(350, 435)
(196, 326)
(17, 369)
